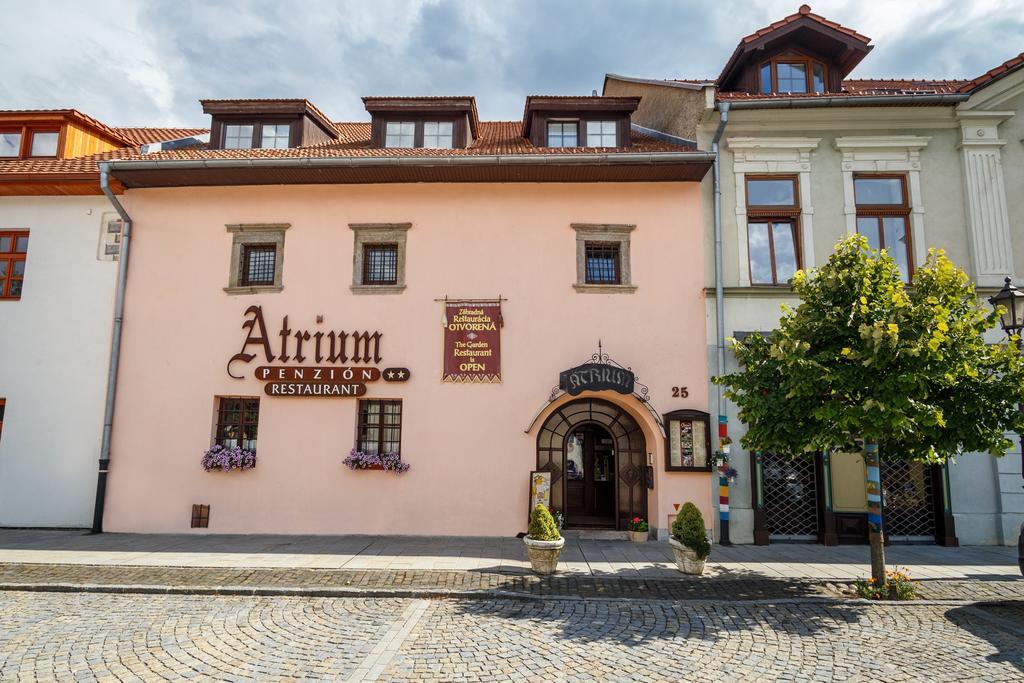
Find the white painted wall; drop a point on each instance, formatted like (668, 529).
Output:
(54, 348)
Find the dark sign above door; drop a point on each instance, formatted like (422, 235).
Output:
(596, 377)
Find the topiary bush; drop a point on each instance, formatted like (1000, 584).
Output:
(688, 529)
(542, 525)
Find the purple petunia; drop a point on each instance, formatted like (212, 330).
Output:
(392, 462)
(218, 457)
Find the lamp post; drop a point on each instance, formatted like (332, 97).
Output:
(1012, 322)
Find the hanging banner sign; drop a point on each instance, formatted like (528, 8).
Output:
(472, 342)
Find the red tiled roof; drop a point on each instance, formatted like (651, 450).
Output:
(496, 138)
(145, 136)
(1004, 69)
(804, 11)
(861, 87)
(74, 115)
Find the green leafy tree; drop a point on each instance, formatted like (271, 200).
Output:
(865, 362)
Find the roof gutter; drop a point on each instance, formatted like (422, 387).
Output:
(723, 120)
(867, 101)
(616, 159)
(115, 349)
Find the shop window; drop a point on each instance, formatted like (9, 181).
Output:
(603, 258)
(237, 422)
(601, 134)
(773, 210)
(688, 447)
(563, 133)
(378, 263)
(257, 258)
(13, 252)
(883, 216)
(380, 427)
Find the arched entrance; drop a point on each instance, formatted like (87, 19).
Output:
(596, 454)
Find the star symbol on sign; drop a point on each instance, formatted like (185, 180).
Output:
(401, 374)
(391, 374)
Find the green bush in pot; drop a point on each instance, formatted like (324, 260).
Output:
(688, 529)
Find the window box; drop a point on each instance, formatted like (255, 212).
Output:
(388, 462)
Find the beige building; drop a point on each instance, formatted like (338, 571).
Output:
(807, 155)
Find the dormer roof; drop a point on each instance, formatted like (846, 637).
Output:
(571, 103)
(843, 47)
(270, 107)
(458, 104)
(61, 116)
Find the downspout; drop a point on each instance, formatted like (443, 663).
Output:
(723, 119)
(115, 350)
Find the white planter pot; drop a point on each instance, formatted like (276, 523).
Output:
(638, 536)
(544, 554)
(686, 560)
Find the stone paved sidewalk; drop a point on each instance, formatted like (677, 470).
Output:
(477, 584)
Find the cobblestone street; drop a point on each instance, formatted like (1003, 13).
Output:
(90, 636)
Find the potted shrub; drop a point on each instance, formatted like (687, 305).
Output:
(638, 530)
(543, 542)
(217, 457)
(689, 543)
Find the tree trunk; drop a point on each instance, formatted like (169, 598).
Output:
(873, 486)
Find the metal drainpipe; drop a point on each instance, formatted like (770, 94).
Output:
(723, 119)
(115, 350)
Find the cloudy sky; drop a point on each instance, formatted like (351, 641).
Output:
(146, 62)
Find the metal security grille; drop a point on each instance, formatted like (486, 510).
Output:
(258, 264)
(602, 263)
(790, 498)
(380, 264)
(908, 501)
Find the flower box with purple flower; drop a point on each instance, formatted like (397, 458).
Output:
(389, 462)
(218, 457)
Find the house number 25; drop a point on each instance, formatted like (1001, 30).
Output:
(680, 392)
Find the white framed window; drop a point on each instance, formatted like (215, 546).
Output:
(276, 136)
(238, 136)
(400, 134)
(601, 134)
(438, 134)
(563, 133)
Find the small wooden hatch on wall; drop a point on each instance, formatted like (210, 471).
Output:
(200, 516)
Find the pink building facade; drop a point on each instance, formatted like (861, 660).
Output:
(456, 305)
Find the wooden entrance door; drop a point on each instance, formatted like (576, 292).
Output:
(590, 478)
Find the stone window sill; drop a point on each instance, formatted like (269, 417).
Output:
(377, 289)
(256, 289)
(604, 289)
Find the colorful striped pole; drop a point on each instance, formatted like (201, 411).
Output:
(723, 484)
(873, 488)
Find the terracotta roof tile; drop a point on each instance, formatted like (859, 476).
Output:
(804, 11)
(145, 136)
(993, 74)
(74, 114)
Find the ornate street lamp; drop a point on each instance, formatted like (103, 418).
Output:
(1012, 322)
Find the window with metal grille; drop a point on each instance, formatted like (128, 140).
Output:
(603, 263)
(380, 427)
(380, 264)
(13, 252)
(563, 133)
(258, 264)
(237, 422)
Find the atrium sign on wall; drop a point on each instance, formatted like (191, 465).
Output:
(319, 346)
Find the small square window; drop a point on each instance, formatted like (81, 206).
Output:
(276, 136)
(380, 264)
(258, 264)
(438, 134)
(563, 133)
(380, 427)
(601, 134)
(10, 145)
(238, 137)
(603, 263)
(44, 144)
(400, 134)
(200, 516)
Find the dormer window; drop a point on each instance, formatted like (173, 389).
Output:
(563, 133)
(401, 134)
(44, 143)
(438, 134)
(276, 136)
(792, 75)
(238, 137)
(10, 145)
(601, 134)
